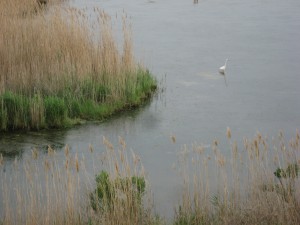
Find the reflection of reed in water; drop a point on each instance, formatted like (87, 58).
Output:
(195, 1)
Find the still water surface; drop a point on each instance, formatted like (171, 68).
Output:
(184, 44)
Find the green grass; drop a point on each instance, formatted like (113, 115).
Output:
(14, 113)
(91, 101)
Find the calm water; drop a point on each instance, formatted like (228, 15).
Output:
(184, 44)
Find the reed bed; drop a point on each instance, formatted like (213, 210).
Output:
(51, 189)
(57, 64)
(257, 183)
(41, 194)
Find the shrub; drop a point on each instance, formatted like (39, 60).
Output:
(108, 190)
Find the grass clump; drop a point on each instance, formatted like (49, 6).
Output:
(120, 196)
(55, 111)
(14, 111)
(107, 190)
(50, 58)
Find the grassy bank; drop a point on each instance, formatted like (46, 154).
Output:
(55, 69)
(254, 184)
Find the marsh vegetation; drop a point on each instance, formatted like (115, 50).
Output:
(257, 184)
(56, 69)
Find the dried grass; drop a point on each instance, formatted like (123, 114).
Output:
(48, 189)
(240, 188)
(49, 51)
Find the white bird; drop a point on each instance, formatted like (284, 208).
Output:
(223, 68)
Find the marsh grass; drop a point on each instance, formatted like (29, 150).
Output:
(53, 57)
(255, 184)
(51, 189)
(124, 200)
(258, 184)
(41, 194)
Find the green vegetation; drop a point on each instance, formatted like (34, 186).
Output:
(55, 70)
(256, 185)
(54, 111)
(108, 190)
(286, 188)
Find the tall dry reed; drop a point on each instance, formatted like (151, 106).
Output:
(42, 190)
(55, 50)
(257, 183)
(49, 188)
(59, 63)
(124, 207)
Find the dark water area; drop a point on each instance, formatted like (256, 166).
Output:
(183, 44)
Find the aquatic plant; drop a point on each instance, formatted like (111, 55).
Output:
(286, 185)
(257, 184)
(108, 190)
(49, 188)
(243, 187)
(53, 58)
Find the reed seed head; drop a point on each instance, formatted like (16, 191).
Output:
(34, 153)
(228, 133)
(76, 163)
(50, 150)
(67, 150)
(67, 164)
(122, 142)
(173, 138)
(91, 148)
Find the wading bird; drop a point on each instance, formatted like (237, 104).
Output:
(223, 68)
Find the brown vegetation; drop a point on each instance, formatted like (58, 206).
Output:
(47, 52)
(56, 64)
(256, 184)
(58, 191)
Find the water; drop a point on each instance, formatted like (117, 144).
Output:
(184, 44)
